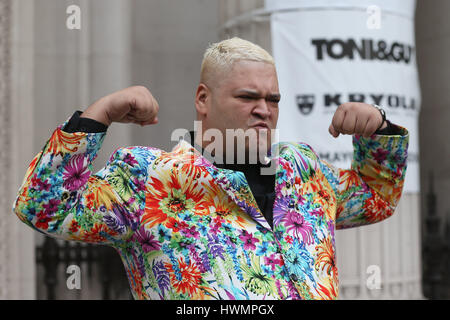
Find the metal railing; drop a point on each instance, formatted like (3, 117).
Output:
(102, 265)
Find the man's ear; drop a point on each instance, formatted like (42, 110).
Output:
(202, 99)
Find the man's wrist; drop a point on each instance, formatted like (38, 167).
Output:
(383, 124)
(97, 112)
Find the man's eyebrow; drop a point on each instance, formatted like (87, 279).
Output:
(275, 96)
(249, 92)
(258, 94)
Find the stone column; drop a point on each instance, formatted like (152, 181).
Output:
(433, 45)
(5, 142)
(391, 247)
(17, 268)
(74, 68)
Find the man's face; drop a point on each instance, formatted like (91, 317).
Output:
(246, 98)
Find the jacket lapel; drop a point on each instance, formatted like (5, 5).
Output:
(236, 186)
(232, 182)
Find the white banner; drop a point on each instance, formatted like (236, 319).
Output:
(348, 51)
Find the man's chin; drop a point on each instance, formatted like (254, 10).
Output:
(249, 146)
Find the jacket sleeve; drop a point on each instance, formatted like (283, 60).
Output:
(61, 197)
(370, 191)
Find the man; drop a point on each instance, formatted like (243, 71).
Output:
(187, 228)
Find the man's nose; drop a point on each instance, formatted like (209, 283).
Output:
(261, 108)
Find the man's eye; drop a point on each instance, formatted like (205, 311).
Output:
(246, 97)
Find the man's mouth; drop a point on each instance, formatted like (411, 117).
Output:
(260, 125)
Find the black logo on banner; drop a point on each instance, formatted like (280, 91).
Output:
(366, 49)
(393, 101)
(305, 103)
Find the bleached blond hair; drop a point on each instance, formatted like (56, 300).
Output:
(222, 55)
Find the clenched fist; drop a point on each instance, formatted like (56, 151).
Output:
(131, 105)
(356, 118)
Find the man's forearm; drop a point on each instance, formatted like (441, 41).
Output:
(98, 111)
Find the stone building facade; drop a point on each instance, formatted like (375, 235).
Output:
(48, 71)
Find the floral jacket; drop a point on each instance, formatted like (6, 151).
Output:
(186, 229)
